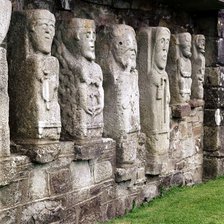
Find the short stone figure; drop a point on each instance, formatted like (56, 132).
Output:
(198, 66)
(179, 68)
(117, 49)
(34, 82)
(5, 17)
(81, 79)
(153, 43)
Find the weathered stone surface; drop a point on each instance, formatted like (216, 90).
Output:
(214, 97)
(102, 171)
(198, 66)
(81, 92)
(38, 151)
(180, 110)
(124, 174)
(212, 51)
(81, 175)
(214, 76)
(196, 103)
(210, 167)
(213, 117)
(117, 49)
(8, 216)
(5, 17)
(43, 212)
(179, 68)
(153, 45)
(35, 111)
(7, 170)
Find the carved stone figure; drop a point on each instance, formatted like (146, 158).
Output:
(35, 80)
(81, 91)
(117, 57)
(153, 45)
(179, 68)
(198, 66)
(5, 16)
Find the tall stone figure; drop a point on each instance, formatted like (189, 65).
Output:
(5, 16)
(117, 56)
(81, 91)
(179, 68)
(153, 43)
(35, 112)
(198, 66)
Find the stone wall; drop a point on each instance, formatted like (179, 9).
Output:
(85, 182)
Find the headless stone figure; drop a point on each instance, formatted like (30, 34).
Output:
(81, 91)
(153, 45)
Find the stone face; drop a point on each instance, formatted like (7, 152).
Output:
(153, 45)
(117, 49)
(198, 66)
(179, 68)
(81, 92)
(36, 112)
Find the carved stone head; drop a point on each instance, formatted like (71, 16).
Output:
(41, 30)
(162, 41)
(184, 41)
(200, 43)
(80, 37)
(5, 15)
(124, 46)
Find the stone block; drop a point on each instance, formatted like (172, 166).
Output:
(196, 103)
(7, 170)
(43, 212)
(125, 174)
(210, 168)
(188, 147)
(214, 97)
(180, 110)
(39, 153)
(220, 51)
(211, 53)
(214, 76)
(60, 181)
(8, 216)
(213, 117)
(127, 149)
(81, 175)
(140, 175)
(177, 179)
(89, 150)
(39, 186)
(102, 171)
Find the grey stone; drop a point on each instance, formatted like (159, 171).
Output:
(125, 174)
(198, 67)
(102, 171)
(81, 92)
(179, 68)
(38, 118)
(214, 76)
(153, 45)
(181, 110)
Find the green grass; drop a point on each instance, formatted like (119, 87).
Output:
(201, 204)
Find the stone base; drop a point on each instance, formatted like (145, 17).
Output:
(180, 110)
(88, 150)
(196, 103)
(40, 153)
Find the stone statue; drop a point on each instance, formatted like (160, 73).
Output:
(117, 49)
(198, 66)
(81, 91)
(153, 45)
(179, 68)
(5, 17)
(35, 81)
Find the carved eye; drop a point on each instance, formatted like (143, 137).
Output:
(88, 35)
(120, 43)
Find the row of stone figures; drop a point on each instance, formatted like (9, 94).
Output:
(36, 119)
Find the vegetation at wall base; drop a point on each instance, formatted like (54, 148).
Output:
(199, 204)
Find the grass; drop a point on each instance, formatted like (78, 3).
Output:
(201, 204)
